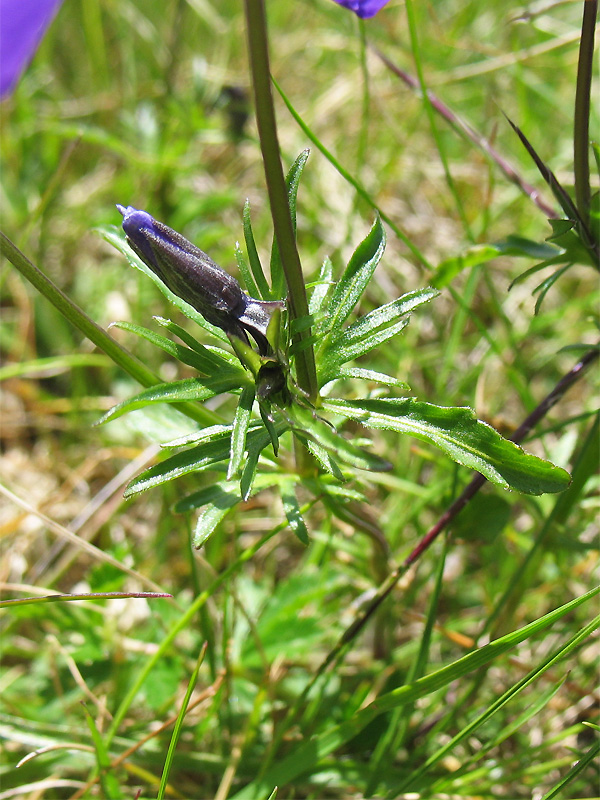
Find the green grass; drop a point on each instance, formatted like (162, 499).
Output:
(123, 104)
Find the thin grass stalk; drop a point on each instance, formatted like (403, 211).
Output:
(581, 131)
(256, 24)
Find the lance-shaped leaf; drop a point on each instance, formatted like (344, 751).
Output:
(373, 376)
(321, 287)
(354, 281)
(291, 507)
(217, 356)
(218, 509)
(466, 439)
(292, 181)
(188, 389)
(369, 332)
(204, 362)
(253, 257)
(241, 424)
(197, 459)
(256, 443)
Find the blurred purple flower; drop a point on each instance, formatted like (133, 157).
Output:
(22, 25)
(363, 8)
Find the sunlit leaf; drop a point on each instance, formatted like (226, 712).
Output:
(463, 437)
(253, 258)
(356, 277)
(240, 429)
(200, 388)
(291, 508)
(203, 362)
(292, 182)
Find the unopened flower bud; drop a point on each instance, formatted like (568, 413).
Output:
(192, 275)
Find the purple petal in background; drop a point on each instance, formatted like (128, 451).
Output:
(22, 25)
(363, 8)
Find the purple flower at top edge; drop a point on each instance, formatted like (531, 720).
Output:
(363, 8)
(22, 26)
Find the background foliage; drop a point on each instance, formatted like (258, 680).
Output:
(130, 103)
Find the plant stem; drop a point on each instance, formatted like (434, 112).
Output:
(256, 24)
(581, 131)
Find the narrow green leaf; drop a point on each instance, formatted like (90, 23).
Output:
(218, 356)
(326, 460)
(590, 758)
(188, 389)
(220, 499)
(241, 423)
(270, 427)
(472, 257)
(384, 316)
(203, 497)
(246, 273)
(303, 344)
(206, 364)
(255, 265)
(108, 780)
(249, 471)
(301, 324)
(211, 433)
(292, 182)
(370, 375)
(544, 287)
(179, 725)
(195, 459)
(357, 275)
(519, 246)
(215, 513)
(463, 437)
(52, 365)
(307, 425)
(341, 352)
(468, 730)
(322, 287)
(291, 508)
(368, 332)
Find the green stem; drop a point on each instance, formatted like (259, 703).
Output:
(89, 328)
(256, 24)
(581, 132)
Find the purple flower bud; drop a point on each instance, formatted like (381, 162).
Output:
(192, 275)
(363, 8)
(22, 25)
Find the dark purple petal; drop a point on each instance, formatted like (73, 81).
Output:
(363, 8)
(192, 275)
(22, 25)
